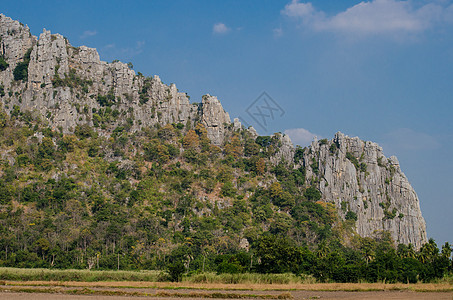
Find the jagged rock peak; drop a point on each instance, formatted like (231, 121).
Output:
(285, 151)
(16, 39)
(214, 118)
(70, 86)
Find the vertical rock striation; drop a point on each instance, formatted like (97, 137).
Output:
(357, 177)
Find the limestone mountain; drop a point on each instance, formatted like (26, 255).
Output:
(64, 93)
(65, 84)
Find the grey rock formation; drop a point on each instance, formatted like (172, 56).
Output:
(16, 40)
(357, 177)
(214, 118)
(237, 124)
(285, 151)
(72, 86)
(69, 86)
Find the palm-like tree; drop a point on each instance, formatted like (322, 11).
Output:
(446, 250)
(402, 251)
(411, 251)
(367, 247)
(323, 250)
(428, 251)
(422, 256)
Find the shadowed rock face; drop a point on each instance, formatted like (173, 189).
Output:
(357, 177)
(68, 86)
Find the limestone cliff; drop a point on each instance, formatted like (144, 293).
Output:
(68, 86)
(357, 177)
(71, 86)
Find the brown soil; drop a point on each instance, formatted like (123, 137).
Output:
(14, 290)
(297, 295)
(418, 287)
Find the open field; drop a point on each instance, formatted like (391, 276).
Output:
(350, 287)
(166, 290)
(24, 284)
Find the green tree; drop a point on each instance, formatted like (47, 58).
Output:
(21, 70)
(176, 270)
(277, 255)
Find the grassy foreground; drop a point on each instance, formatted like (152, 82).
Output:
(27, 278)
(17, 274)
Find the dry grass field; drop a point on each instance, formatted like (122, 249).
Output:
(351, 287)
(24, 284)
(51, 290)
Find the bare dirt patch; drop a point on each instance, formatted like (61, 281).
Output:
(52, 290)
(326, 295)
(354, 287)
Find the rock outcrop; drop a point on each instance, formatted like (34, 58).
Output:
(358, 178)
(285, 151)
(68, 86)
(214, 118)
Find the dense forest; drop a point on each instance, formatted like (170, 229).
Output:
(165, 198)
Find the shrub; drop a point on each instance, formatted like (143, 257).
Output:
(175, 270)
(351, 216)
(353, 159)
(363, 167)
(312, 194)
(229, 267)
(3, 63)
(83, 131)
(333, 148)
(21, 70)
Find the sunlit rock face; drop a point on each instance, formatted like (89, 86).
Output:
(357, 177)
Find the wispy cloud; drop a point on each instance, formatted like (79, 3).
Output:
(220, 28)
(88, 33)
(373, 17)
(300, 136)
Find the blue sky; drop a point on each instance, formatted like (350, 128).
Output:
(381, 70)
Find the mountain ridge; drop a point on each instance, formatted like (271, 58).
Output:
(68, 87)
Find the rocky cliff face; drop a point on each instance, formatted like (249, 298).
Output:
(68, 86)
(358, 178)
(71, 86)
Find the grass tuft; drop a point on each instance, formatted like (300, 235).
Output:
(253, 278)
(77, 275)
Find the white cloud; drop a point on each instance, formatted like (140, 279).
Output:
(220, 28)
(297, 9)
(300, 136)
(88, 33)
(406, 139)
(370, 17)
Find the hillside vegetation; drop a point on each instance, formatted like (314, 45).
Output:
(164, 198)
